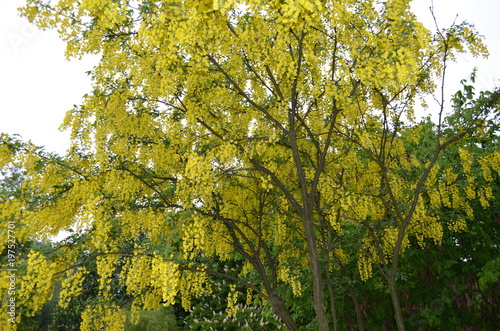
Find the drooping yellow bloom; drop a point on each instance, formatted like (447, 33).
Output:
(262, 131)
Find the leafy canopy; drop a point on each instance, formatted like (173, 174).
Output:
(276, 133)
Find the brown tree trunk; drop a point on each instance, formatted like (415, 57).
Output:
(398, 315)
(359, 312)
(317, 278)
(333, 309)
(281, 310)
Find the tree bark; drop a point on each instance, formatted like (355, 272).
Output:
(398, 315)
(328, 278)
(333, 309)
(359, 312)
(308, 200)
(317, 279)
(283, 312)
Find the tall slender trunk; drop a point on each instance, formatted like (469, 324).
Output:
(359, 313)
(283, 312)
(398, 315)
(307, 199)
(307, 219)
(317, 278)
(333, 309)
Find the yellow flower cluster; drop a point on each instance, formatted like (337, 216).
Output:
(335, 223)
(195, 236)
(103, 317)
(197, 180)
(71, 286)
(6, 153)
(37, 283)
(193, 284)
(106, 265)
(165, 277)
(232, 299)
(281, 232)
(249, 299)
(389, 241)
(137, 273)
(341, 255)
(425, 226)
(458, 225)
(485, 195)
(488, 163)
(285, 274)
(220, 242)
(295, 9)
(364, 267)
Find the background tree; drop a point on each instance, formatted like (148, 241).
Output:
(272, 134)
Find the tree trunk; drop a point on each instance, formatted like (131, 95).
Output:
(307, 212)
(333, 309)
(359, 312)
(331, 295)
(391, 281)
(317, 278)
(281, 310)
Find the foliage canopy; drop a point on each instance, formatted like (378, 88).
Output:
(277, 133)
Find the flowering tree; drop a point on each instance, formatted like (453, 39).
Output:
(265, 132)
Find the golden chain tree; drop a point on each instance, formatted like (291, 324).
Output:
(256, 130)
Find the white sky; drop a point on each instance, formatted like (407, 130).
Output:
(37, 85)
